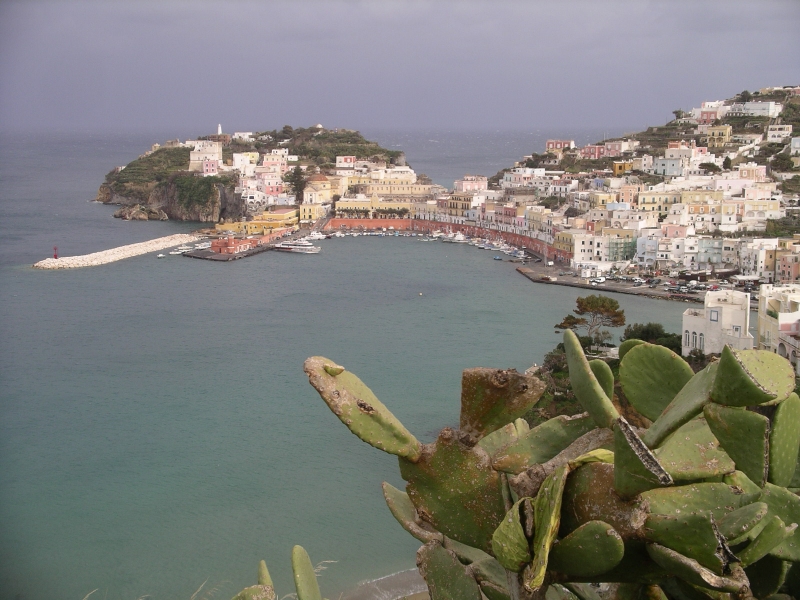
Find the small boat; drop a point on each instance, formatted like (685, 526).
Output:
(161, 255)
(498, 258)
(317, 235)
(174, 252)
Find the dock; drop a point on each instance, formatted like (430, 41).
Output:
(538, 276)
(114, 254)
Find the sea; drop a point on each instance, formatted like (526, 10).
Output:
(157, 433)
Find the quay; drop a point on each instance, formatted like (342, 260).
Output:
(544, 275)
(114, 254)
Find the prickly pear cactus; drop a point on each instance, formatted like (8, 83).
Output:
(305, 580)
(700, 504)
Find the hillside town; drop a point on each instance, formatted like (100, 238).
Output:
(696, 199)
(697, 194)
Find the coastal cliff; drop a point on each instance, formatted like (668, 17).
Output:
(159, 186)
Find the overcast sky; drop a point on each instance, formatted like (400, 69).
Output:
(186, 66)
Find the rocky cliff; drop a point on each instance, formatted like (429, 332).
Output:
(170, 200)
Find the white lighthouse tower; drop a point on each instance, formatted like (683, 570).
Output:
(219, 129)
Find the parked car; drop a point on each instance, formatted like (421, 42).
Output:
(598, 280)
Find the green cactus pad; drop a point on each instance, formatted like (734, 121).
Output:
(558, 592)
(491, 577)
(684, 407)
(636, 469)
(786, 505)
(592, 549)
(773, 534)
(627, 346)
(403, 510)
(359, 409)
(587, 389)
(717, 498)
(691, 571)
(651, 376)
(739, 479)
(466, 554)
(677, 589)
(691, 534)
(604, 376)
(740, 521)
(510, 544)
(784, 441)
(506, 435)
(491, 398)
(635, 566)
(455, 489)
(542, 443)
(751, 377)
(446, 577)
(745, 437)
(766, 576)
(263, 591)
(582, 590)
(693, 453)
(305, 580)
(547, 513)
(590, 496)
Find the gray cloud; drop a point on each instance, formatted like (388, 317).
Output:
(185, 66)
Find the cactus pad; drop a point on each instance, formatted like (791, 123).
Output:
(587, 389)
(359, 409)
(604, 376)
(693, 453)
(651, 376)
(784, 441)
(512, 539)
(491, 398)
(264, 590)
(547, 514)
(745, 437)
(785, 505)
(591, 550)
(542, 443)
(403, 510)
(627, 346)
(751, 377)
(305, 579)
(454, 488)
(636, 468)
(772, 535)
(446, 577)
(693, 572)
(686, 405)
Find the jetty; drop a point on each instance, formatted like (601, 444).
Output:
(114, 254)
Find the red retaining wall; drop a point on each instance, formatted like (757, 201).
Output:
(537, 246)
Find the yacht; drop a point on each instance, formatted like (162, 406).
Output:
(298, 246)
(316, 235)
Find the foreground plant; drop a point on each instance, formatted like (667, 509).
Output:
(700, 504)
(305, 580)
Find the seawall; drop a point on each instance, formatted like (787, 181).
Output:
(114, 254)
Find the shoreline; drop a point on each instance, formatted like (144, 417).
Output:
(404, 584)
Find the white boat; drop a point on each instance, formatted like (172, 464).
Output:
(316, 235)
(298, 246)
(174, 252)
(161, 255)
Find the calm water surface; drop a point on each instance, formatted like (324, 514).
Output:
(156, 428)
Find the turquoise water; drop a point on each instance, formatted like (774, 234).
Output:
(156, 428)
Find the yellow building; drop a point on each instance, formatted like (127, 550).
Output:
(565, 240)
(311, 212)
(701, 196)
(600, 199)
(398, 189)
(318, 190)
(459, 204)
(659, 202)
(719, 135)
(263, 223)
(374, 207)
(620, 167)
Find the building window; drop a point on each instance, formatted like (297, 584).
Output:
(694, 339)
(714, 315)
(702, 344)
(686, 338)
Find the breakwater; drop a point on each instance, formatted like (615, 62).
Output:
(114, 254)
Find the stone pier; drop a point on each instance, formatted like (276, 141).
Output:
(108, 256)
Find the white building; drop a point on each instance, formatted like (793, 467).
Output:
(779, 320)
(755, 109)
(778, 133)
(723, 320)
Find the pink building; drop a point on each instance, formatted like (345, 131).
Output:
(614, 148)
(471, 183)
(556, 146)
(593, 151)
(789, 269)
(210, 167)
(753, 171)
(230, 245)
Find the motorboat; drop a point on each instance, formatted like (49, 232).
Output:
(316, 235)
(298, 246)
(161, 255)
